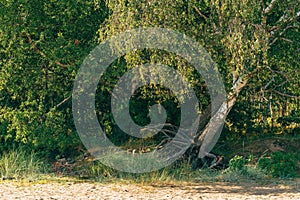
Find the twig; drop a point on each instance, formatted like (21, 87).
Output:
(285, 20)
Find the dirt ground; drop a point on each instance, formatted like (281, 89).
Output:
(85, 190)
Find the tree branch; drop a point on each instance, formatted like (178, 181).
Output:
(199, 13)
(42, 53)
(63, 101)
(287, 40)
(268, 84)
(284, 17)
(270, 7)
(281, 34)
(285, 95)
(285, 20)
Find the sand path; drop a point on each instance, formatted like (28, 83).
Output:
(85, 190)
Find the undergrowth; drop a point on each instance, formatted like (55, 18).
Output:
(182, 172)
(21, 164)
(276, 165)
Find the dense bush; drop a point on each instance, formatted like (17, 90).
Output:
(279, 164)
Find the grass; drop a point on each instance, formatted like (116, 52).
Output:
(20, 163)
(241, 169)
(25, 165)
(177, 173)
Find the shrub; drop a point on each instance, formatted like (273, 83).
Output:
(279, 164)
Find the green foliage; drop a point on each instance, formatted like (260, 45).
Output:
(280, 164)
(238, 163)
(43, 43)
(6, 139)
(294, 117)
(134, 14)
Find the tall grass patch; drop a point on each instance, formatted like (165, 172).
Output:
(20, 163)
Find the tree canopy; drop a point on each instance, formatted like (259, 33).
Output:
(43, 43)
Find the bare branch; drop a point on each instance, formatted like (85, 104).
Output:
(287, 40)
(281, 34)
(63, 101)
(42, 53)
(285, 95)
(199, 13)
(275, 29)
(284, 18)
(270, 7)
(267, 85)
(287, 79)
(281, 84)
(273, 42)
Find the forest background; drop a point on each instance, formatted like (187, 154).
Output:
(254, 43)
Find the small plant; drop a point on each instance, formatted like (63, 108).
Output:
(238, 164)
(279, 164)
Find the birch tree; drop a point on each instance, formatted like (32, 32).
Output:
(249, 31)
(243, 37)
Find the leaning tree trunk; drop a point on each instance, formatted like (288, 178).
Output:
(209, 135)
(210, 125)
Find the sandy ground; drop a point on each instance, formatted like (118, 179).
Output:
(73, 190)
